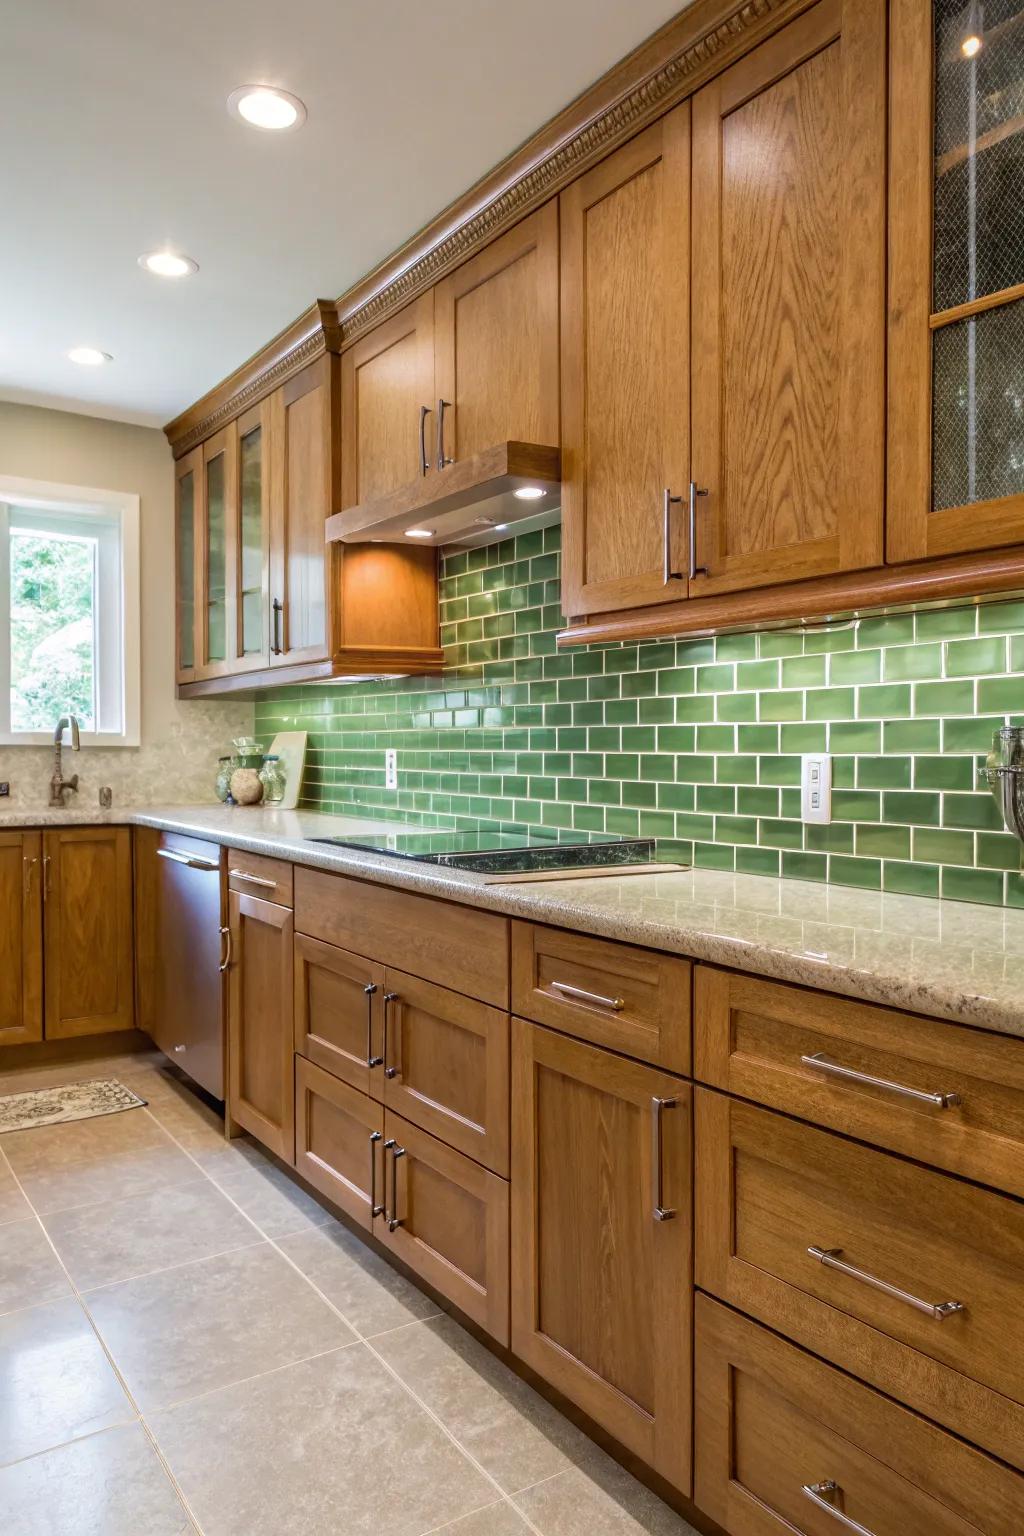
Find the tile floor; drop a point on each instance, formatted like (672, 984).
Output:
(191, 1343)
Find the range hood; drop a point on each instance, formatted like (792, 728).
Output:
(469, 501)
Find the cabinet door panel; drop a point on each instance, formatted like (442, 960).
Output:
(387, 377)
(303, 464)
(87, 885)
(217, 593)
(338, 1136)
(338, 1012)
(21, 938)
(252, 639)
(260, 1032)
(601, 1286)
(789, 303)
(188, 517)
(625, 372)
(496, 341)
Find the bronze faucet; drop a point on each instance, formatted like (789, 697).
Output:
(58, 783)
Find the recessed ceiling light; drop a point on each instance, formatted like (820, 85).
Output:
(89, 357)
(529, 493)
(264, 106)
(419, 533)
(167, 264)
(970, 47)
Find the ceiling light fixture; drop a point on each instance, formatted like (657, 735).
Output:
(89, 357)
(419, 533)
(264, 106)
(529, 493)
(167, 264)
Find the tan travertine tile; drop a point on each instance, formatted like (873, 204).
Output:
(109, 1157)
(56, 1383)
(115, 1240)
(271, 1198)
(328, 1445)
(511, 1431)
(111, 1484)
(370, 1294)
(495, 1520)
(29, 1270)
(604, 1500)
(13, 1205)
(189, 1330)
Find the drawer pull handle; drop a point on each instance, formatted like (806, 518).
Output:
(225, 934)
(939, 1310)
(390, 1070)
(829, 1497)
(371, 1059)
(658, 1106)
(392, 1217)
(822, 1063)
(243, 874)
(581, 996)
(375, 1209)
(188, 859)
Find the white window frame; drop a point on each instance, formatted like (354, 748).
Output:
(50, 499)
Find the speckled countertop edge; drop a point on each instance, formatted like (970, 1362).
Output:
(952, 960)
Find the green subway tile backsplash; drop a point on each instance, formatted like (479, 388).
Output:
(695, 742)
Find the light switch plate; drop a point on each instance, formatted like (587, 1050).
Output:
(390, 769)
(816, 787)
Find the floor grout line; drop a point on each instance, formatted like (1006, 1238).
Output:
(166, 1269)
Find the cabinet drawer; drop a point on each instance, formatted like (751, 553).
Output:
(338, 1132)
(965, 1111)
(459, 947)
(772, 1421)
(339, 1011)
(631, 1000)
(770, 1190)
(446, 1067)
(254, 875)
(447, 1219)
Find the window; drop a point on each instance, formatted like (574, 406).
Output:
(69, 612)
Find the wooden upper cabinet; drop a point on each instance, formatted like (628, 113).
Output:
(625, 312)
(304, 466)
(218, 548)
(188, 515)
(387, 405)
(21, 938)
(87, 887)
(789, 304)
(496, 343)
(956, 281)
(251, 571)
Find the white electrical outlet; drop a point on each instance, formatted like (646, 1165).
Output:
(390, 769)
(816, 787)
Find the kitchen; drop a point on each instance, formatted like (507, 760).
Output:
(510, 840)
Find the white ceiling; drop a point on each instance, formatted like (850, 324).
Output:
(116, 140)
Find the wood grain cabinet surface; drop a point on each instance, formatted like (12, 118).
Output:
(601, 1239)
(261, 1060)
(87, 890)
(21, 937)
(773, 1421)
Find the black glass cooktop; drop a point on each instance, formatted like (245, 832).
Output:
(500, 850)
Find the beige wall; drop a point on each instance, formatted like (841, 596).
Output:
(177, 759)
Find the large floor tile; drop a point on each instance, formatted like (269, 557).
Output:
(270, 1198)
(513, 1433)
(121, 1238)
(496, 1520)
(109, 1157)
(110, 1484)
(188, 1330)
(29, 1269)
(13, 1205)
(328, 1445)
(371, 1295)
(604, 1500)
(56, 1383)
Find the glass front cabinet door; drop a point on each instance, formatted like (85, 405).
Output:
(187, 515)
(956, 338)
(252, 638)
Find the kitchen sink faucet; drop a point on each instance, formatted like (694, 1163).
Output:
(58, 783)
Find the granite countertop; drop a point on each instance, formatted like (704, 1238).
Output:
(950, 959)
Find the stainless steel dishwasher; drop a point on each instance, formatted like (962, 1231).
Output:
(182, 951)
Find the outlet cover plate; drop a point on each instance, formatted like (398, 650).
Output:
(816, 787)
(390, 769)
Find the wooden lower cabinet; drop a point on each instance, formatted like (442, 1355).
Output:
(87, 891)
(261, 1095)
(786, 1443)
(601, 1239)
(21, 938)
(338, 1132)
(339, 1004)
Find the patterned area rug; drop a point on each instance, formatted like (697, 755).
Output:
(71, 1101)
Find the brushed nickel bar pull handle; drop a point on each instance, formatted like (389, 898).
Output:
(658, 1106)
(939, 1310)
(275, 645)
(442, 461)
(389, 998)
(424, 462)
(823, 1494)
(375, 1209)
(241, 874)
(823, 1063)
(616, 1003)
(668, 502)
(225, 933)
(371, 1059)
(188, 859)
(695, 569)
(395, 1220)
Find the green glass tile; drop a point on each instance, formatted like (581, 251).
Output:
(731, 769)
(654, 824)
(977, 810)
(737, 706)
(909, 663)
(935, 847)
(780, 770)
(836, 837)
(736, 829)
(735, 647)
(944, 773)
(588, 818)
(697, 706)
(830, 703)
(695, 769)
(757, 674)
(804, 672)
(660, 654)
(713, 856)
(1014, 887)
(1017, 653)
(852, 736)
(856, 805)
(889, 629)
(716, 738)
(782, 706)
(753, 800)
(856, 666)
(637, 794)
(716, 798)
(913, 808)
(882, 842)
(673, 797)
(998, 850)
(762, 738)
(944, 698)
(969, 658)
(803, 738)
(779, 642)
(789, 804)
(884, 701)
(657, 711)
(804, 866)
(911, 736)
(676, 738)
(759, 861)
(692, 825)
(884, 772)
(910, 879)
(716, 679)
(866, 873)
(624, 823)
(945, 623)
(1001, 693)
(655, 765)
(639, 738)
(835, 637)
(984, 885)
(776, 833)
(622, 765)
(970, 735)
(999, 618)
